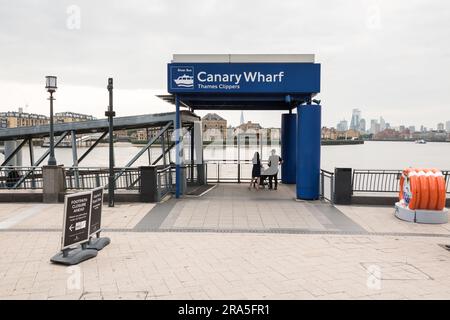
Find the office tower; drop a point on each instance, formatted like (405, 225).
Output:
(356, 117)
(362, 125)
(374, 126)
(382, 124)
(342, 125)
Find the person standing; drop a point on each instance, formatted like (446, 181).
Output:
(272, 171)
(256, 171)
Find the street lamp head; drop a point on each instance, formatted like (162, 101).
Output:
(50, 83)
(110, 84)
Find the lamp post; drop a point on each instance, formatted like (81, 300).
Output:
(110, 114)
(50, 85)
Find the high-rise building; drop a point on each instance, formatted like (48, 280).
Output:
(447, 126)
(382, 124)
(440, 126)
(356, 117)
(342, 125)
(412, 129)
(374, 126)
(242, 117)
(362, 125)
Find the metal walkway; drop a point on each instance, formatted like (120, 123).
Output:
(93, 126)
(161, 126)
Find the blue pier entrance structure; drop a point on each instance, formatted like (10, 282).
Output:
(258, 82)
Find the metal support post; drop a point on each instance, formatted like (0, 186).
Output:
(51, 159)
(75, 159)
(177, 148)
(110, 114)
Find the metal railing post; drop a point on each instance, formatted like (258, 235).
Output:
(322, 187)
(97, 180)
(239, 172)
(332, 188)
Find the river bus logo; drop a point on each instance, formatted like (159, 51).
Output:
(184, 81)
(182, 77)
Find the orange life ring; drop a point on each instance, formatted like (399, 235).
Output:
(414, 183)
(422, 189)
(433, 186)
(441, 190)
(424, 193)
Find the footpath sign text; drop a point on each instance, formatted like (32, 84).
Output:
(96, 211)
(77, 212)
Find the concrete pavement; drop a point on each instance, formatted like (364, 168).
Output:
(230, 244)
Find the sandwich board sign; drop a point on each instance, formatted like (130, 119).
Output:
(77, 213)
(82, 219)
(96, 211)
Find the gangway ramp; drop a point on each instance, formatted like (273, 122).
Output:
(101, 125)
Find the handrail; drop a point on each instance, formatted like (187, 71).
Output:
(327, 172)
(383, 180)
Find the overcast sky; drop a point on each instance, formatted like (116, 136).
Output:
(389, 58)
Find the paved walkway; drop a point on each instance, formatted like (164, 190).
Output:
(234, 207)
(265, 245)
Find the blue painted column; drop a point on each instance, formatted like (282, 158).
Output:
(288, 147)
(308, 151)
(177, 148)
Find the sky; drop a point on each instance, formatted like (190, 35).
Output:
(387, 58)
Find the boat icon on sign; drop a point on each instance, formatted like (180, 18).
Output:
(184, 81)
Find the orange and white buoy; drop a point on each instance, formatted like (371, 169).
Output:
(422, 189)
(422, 196)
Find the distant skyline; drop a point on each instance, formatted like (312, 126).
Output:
(386, 58)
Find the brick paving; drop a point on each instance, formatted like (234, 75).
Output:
(383, 261)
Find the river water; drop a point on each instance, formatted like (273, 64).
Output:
(370, 155)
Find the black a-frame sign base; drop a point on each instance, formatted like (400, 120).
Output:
(98, 243)
(72, 257)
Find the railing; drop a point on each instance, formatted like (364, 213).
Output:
(166, 181)
(230, 170)
(327, 185)
(88, 178)
(382, 180)
(20, 177)
(191, 172)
